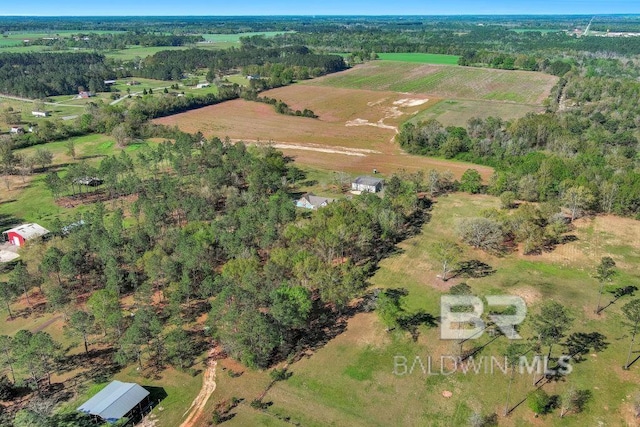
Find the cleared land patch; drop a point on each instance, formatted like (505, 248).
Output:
(441, 81)
(349, 121)
(456, 112)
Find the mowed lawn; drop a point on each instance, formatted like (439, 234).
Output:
(351, 380)
(440, 81)
(421, 58)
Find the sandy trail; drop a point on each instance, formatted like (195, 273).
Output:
(358, 152)
(208, 387)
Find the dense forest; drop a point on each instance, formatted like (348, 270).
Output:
(115, 40)
(170, 65)
(214, 229)
(38, 75)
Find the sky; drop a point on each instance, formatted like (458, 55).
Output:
(321, 7)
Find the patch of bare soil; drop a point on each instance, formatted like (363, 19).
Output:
(529, 295)
(208, 387)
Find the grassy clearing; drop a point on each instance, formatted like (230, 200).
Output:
(456, 112)
(421, 58)
(445, 82)
(235, 38)
(31, 201)
(350, 380)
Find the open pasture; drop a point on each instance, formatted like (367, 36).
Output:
(440, 81)
(420, 58)
(457, 112)
(349, 381)
(354, 131)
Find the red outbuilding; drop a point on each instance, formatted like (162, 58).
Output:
(18, 235)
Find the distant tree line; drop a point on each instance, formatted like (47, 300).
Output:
(110, 41)
(38, 75)
(172, 65)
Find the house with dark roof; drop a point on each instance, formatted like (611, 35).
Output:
(311, 201)
(116, 401)
(367, 184)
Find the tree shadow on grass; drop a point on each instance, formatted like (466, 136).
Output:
(473, 269)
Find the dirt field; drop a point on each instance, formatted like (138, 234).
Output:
(354, 131)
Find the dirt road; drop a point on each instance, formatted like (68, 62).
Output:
(208, 387)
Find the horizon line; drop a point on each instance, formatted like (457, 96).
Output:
(324, 15)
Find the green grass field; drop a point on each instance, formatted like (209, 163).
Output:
(456, 112)
(421, 58)
(445, 81)
(235, 38)
(350, 381)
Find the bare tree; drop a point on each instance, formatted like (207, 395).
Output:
(577, 200)
(448, 253)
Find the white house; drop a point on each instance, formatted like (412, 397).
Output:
(311, 201)
(40, 113)
(367, 184)
(202, 85)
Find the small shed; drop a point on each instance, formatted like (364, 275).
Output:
(311, 201)
(19, 235)
(367, 184)
(40, 113)
(109, 82)
(86, 94)
(202, 85)
(16, 129)
(116, 401)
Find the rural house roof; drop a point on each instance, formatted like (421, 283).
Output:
(28, 231)
(367, 180)
(317, 200)
(114, 401)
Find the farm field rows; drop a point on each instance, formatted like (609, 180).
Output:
(444, 81)
(354, 131)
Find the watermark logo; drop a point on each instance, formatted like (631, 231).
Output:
(447, 365)
(461, 316)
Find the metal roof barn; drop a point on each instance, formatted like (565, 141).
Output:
(115, 401)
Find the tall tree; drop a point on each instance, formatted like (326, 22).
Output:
(551, 323)
(7, 357)
(512, 358)
(604, 272)
(21, 279)
(8, 294)
(448, 253)
(631, 310)
(43, 157)
(81, 323)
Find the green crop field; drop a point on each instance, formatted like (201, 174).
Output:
(421, 58)
(445, 81)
